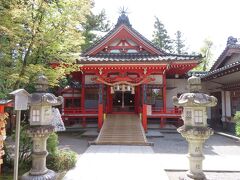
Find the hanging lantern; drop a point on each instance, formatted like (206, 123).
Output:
(133, 90)
(129, 88)
(111, 90)
(118, 87)
(123, 87)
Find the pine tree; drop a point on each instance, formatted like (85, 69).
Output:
(91, 28)
(179, 43)
(160, 37)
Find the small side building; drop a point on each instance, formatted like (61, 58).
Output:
(223, 82)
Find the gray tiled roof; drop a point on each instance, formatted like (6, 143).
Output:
(221, 58)
(220, 70)
(135, 57)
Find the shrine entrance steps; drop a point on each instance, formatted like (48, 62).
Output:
(122, 129)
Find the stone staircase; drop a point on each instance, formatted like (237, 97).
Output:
(122, 129)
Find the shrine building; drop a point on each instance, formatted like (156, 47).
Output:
(124, 73)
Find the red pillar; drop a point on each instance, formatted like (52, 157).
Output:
(164, 93)
(110, 101)
(1, 108)
(144, 117)
(144, 110)
(83, 94)
(100, 115)
(136, 99)
(100, 106)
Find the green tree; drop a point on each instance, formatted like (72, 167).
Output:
(160, 36)
(93, 25)
(206, 52)
(179, 45)
(34, 33)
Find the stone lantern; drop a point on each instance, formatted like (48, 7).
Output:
(195, 128)
(41, 127)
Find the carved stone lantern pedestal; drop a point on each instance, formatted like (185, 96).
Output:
(39, 171)
(195, 137)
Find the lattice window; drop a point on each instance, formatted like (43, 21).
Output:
(36, 115)
(198, 116)
(188, 114)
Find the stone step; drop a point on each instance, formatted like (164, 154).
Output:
(122, 129)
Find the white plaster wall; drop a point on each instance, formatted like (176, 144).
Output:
(178, 85)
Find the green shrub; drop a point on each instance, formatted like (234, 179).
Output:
(237, 119)
(52, 143)
(63, 160)
(58, 160)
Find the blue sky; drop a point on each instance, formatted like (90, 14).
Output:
(196, 19)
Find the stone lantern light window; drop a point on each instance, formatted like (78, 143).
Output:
(198, 116)
(35, 115)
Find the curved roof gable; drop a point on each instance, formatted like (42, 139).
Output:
(123, 30)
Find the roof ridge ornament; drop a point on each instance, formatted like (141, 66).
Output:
(232, 40)
(123, 18)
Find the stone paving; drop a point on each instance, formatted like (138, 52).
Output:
(107, 162)
(221, 163)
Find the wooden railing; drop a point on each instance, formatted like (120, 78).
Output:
(159, 110)
(79, 111)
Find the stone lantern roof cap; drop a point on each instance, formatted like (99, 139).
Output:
(41, 97)
(194, 97)
(46, 99)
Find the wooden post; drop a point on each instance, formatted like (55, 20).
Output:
(83, 101)
(1, 112)
(136, 100)
(16, 158)
(100, 107)
(164, 93)
(162, 122)
(108, 99)
(83, 94)
(100, 116)
(1, 108)
(144, 113)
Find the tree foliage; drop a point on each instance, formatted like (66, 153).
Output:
(206, 52)
(179, 46)
(34, 33)
(160, 36)
(94, 24)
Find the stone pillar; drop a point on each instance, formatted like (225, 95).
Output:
(39, 170)
(195, 137)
